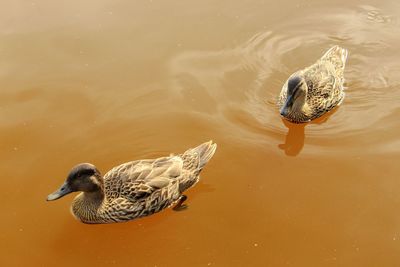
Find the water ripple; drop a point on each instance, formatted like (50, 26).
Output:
(244, 81)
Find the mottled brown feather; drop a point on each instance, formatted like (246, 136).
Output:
(325, 85)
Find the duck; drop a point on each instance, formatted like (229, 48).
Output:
(134, 189)
(313, 91)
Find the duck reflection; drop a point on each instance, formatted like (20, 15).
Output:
(294, 141)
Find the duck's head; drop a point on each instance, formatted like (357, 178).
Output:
(83, 177)
(296, 95)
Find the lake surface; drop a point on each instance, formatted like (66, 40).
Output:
(108, 82)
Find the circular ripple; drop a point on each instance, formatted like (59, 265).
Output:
(244, 82)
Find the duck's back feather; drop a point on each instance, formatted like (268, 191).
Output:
(139, 178)
(338, 57)
(136, 179)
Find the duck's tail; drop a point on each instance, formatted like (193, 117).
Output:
(337, 56)
(205, 152)
(194, 160)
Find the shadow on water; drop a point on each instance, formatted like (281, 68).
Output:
(294, 140)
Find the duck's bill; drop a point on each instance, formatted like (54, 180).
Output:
(284, 110)
(64, 190)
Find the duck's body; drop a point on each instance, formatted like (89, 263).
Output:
(135, 189)
(315, 90)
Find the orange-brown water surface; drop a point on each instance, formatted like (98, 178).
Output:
(112, 81)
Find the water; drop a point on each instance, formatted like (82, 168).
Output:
(109, 82)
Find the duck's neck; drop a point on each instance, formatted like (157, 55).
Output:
(86, 206)
(95, 197)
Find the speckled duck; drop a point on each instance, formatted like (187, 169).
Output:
(134, 189)
(311, 92)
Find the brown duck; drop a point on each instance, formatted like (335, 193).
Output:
(134, 189)
(311, 92)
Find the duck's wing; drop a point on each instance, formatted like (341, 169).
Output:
(321, 81)
(337, 56)
(325, 89)
(138, 179)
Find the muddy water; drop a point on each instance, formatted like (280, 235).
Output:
(108, 82)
